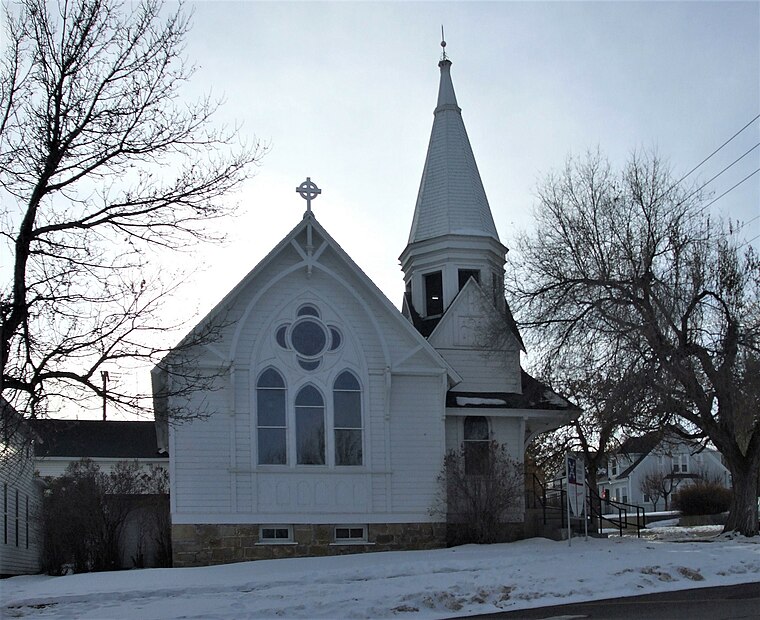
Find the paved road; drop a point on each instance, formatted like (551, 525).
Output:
(737, 602)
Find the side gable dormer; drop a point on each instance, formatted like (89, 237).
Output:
(476, 339)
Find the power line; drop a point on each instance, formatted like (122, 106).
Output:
(716, 150)
(748, 242)
(750, 175)
(706, 183)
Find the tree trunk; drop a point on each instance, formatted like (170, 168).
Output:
(743, 514)
(593, 487)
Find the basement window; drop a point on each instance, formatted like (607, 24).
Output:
(434, 294)
(348, 534)
(275, 534)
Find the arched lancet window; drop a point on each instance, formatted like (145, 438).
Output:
(310, 427)
(476, 445)
(347, 401)
(270, 418)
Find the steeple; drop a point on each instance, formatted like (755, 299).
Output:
(453, 232)
(451, 198)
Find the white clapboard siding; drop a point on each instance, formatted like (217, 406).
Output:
(417, 443)
(20, 504)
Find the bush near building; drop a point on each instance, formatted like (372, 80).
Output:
(706, 498)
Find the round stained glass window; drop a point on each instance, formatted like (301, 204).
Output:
(308, 338)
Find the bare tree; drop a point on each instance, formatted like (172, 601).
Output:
(103, 168)
(659, 484)
(604, 381)
(633, 258)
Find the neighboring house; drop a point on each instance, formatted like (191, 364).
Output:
(62, 442)
(21, 496)
(671, 462)
(331, 411)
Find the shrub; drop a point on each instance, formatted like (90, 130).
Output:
(481, 491)
(85, 513)
(705, 498)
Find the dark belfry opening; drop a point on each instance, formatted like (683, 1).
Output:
(434, 293)
(466, 274)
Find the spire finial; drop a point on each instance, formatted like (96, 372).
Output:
(443, 45)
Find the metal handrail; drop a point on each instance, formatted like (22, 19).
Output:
(623, 510)
(542, 494)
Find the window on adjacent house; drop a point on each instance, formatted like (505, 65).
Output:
(466, 274)
(271, 418)
(347, 419)
(681, 464)
(353, 533)
(613, 467)
(647, 499)
(310, 427)
(476, 445)
(275, 534)
(434, 293)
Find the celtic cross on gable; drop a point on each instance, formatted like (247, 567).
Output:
(308, 191)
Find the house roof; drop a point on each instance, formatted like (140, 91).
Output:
(641, 445)
(96, 439)
(451, 198)
(535, 395)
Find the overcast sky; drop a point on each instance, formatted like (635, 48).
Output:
(345, 91)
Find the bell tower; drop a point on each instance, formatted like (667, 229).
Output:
(453, 237)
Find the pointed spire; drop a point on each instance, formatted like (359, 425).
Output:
(451, 199)
(446, 96)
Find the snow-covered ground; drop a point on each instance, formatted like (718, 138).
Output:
(422, 584)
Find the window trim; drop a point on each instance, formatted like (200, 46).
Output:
(259, 426)
(363, 540)
(335, 428)
(471, 443)
(276, 541)
(296, 406)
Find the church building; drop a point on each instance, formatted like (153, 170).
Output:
(326, 414)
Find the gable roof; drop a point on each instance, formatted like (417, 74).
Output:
(451, 198)
(96, 439)
(643, 445)
(535, 395)
(428, 326)
(378, 296)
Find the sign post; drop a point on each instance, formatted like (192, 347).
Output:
(574, 502)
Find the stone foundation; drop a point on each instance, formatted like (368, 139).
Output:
(205, 544)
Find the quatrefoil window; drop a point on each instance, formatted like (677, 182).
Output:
(309, 337)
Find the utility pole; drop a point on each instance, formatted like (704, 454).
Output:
(104, 376)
